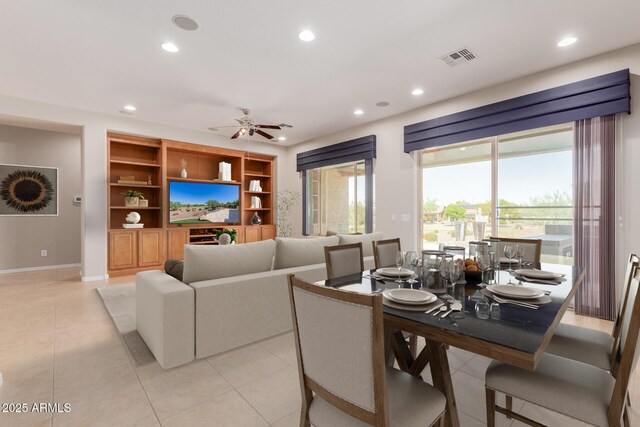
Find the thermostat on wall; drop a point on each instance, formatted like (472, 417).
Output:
(77, 199)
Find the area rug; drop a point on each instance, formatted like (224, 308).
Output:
(120, 302)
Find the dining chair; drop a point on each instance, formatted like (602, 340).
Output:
(591, 346)
(384, 252)
(572, 388)
(384, 255)
(343, 260)
(532, 247)
(339, 338)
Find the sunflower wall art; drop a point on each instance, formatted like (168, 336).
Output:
(28, 190)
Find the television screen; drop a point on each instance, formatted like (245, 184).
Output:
(203, 203)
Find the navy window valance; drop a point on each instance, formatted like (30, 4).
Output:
(594, 97)
(349, 151)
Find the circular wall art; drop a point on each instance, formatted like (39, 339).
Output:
(27, 191)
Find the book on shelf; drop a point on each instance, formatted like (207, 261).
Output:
(256, 203)
(254, 185)
(131, 181)
(133, 225)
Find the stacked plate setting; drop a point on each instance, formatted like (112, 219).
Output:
(392, 272)
(517, 292)
(409, 296)
(530, 275)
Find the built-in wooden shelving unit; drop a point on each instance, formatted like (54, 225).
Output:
(151, 164)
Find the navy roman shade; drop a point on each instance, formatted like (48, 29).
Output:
(594, 97)
(349, 151)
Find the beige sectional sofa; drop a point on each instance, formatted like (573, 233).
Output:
(230, 296)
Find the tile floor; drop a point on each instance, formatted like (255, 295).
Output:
(58, 345)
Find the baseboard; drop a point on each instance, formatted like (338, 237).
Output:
(44, 267)
(94, 278)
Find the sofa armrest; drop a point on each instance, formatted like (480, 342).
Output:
(165, 317)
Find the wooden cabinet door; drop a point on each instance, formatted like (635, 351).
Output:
(175, 245)
(268, 232)
(252, 233)
(150, 248)
(122, 250)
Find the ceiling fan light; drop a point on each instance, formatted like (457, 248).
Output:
(243, 131)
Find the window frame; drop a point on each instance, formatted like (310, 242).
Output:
(368, 195)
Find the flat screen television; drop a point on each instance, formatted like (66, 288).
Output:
(203, 203)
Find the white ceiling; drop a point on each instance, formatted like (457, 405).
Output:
(100, 55)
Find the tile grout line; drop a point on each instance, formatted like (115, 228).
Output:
(240, 394)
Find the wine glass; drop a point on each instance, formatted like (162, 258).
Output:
(399, 263)
(483, 258)
(447, 260)
(510, 252)
(411, 258)
(520, 254)
(454, 272)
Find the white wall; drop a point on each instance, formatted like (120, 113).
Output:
(23, 237)
(94, 157)
(396, 173)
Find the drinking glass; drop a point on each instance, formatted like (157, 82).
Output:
(510, 251)
(484, 263)
(483, 309)
(399, 263)
(520, 254)
(411, 258)
(447, 260)
(454, 274)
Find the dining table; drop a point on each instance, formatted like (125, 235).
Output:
(519, 336)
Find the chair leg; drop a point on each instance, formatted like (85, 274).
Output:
(413, 345)
(509, 400)
(491, 407)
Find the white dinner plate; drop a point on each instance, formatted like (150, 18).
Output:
(409, 296)
(508, 261)
(393, 272)
(511, 291)
(538, 274)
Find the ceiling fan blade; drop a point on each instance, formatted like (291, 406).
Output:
(266, 135)
(237, 134)
(268, 126)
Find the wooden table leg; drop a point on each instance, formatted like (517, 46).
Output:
(388, 347)
(442, 380)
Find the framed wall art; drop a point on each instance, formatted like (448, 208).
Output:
(28, 190)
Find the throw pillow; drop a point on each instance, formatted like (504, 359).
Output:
(174, 268)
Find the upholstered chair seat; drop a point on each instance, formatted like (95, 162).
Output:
(402, 390)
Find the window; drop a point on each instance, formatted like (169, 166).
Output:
(336, 198)
(521, 183)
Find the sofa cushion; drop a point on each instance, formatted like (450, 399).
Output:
(205, 262)
(174, 268)
(366, 240)
(291, 252)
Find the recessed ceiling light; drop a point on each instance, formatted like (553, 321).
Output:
(382, 104)
(306, 36)
(568, 41)
(282, 138)
(358, 112)
(170, 47)
(417, 92)
(463, 148)
(130, 108)
(185, 22)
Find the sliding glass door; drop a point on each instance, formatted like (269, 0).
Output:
(520, 184)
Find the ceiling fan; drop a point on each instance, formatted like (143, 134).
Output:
(247, 125)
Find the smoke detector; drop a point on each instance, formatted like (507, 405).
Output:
(458, 57)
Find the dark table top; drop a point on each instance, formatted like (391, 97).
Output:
(523, 330)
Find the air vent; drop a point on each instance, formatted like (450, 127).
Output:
(458, 57)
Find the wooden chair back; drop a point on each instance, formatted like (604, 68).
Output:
(384, 252)
(339, 338)
(632, 267)
(626, 353)
(532, 248)
(343, 260)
